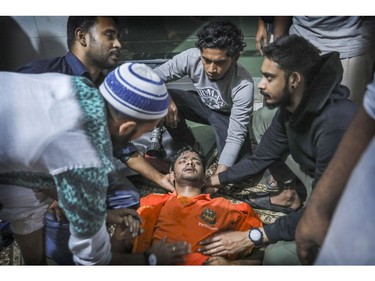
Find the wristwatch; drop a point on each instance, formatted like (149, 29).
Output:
(151, 259)
(256, 236)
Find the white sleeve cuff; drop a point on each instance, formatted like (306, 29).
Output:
(93, 250)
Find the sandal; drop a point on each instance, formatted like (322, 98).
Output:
(258, 194)
(287, 195)
(271, 184)
(265, 203)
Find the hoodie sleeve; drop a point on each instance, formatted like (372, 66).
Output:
(284, 227)
(272, 147)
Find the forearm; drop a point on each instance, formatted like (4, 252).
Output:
(281, 26)
(138, 164)
(283, 228)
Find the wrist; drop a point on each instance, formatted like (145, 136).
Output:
(150, 258)
(256, 236)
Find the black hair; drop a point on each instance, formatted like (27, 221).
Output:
(85, 23)
(185, 149)
(222, 35)
(294, 53)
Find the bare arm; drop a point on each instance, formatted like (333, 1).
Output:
(313, 225)
(226, 243)
(261, 37)
(138, 164)
(281, 26)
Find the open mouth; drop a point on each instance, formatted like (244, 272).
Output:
(189, 170)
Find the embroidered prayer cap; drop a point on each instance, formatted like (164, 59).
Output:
(137, 91)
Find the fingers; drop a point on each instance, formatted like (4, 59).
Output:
(211, 190)
(56, 212)
(210, 241)
(216, 261)
(219, 251)
(212, 249)
(53, 214)
(258, 46)
(172, 120)
(170, 253)
(178, 250)
(172, 117)
(166, 183)
(207, 245)
(133, 225)
(60, 216)
(116, 216)
(307, 255)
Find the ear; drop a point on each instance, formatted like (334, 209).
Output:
(294, 80)
(127, 128)
(80, 35)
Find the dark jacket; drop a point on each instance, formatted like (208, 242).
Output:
(68, 64)
(311, 135)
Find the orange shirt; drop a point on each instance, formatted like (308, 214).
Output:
(191, 219)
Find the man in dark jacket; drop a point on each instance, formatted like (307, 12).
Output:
(313, 114)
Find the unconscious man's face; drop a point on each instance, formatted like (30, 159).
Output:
(189, 167)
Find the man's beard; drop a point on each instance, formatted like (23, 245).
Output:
(192, 178)
(99, 58)
(104, 63)
(283, 102)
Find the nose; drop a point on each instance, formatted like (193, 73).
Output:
(117, 43)
(262, 84)
(212, 68)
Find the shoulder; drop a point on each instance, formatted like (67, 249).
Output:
(191, 54)
(243, 74)
(55, 64)
(154, 199)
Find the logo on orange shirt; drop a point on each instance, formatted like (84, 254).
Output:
(208, 216)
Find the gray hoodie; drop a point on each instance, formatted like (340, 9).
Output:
(233, 94)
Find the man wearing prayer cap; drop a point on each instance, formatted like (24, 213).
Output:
(58, 135)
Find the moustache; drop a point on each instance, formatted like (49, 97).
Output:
(116, 53)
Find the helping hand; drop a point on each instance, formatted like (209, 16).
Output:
(128, 218)
(170, 253)
(171, 120)
(226, 243)
(57, 213)
(165, 182)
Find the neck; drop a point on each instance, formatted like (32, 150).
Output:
(296, 99)
(188, 189)
(91, 69)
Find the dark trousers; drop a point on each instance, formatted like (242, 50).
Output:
(190, 107)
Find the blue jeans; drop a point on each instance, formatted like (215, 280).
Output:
(121, 194)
